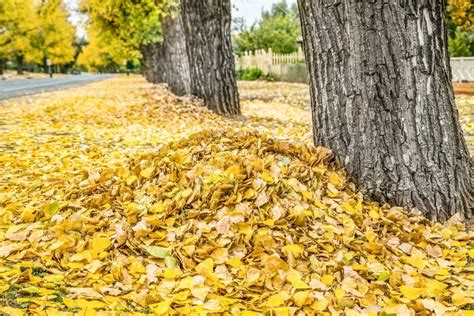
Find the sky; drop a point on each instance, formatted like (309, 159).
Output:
(250, 10)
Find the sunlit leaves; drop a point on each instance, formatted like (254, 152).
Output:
(139, 201)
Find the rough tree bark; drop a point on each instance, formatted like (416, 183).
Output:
(172, 65)
(382, 99)
(207, 29)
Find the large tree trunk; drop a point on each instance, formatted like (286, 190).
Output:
(207, 28)
(172, 58)
(2, 65)
(382, 99)
(20, 59)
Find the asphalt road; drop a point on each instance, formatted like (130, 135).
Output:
(16, 88)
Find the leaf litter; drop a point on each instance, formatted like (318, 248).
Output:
(121, 197)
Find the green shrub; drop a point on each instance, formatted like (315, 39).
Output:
(249, 74)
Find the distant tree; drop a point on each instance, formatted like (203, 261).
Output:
(18, 28)
(277, 29)
(382, 99)
(460, 21)
(98, 55)
(133, 26)
(55, 35)
(31, 31)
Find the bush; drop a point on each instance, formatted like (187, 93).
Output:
(249, 74)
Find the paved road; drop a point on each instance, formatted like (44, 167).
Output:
(15, 88)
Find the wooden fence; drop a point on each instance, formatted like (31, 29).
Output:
(291, 67)
(269, 62)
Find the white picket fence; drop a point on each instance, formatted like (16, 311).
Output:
(268, 61)
(462, 68)
(277, 64)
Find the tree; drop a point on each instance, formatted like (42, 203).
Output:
(18, 25)
(133, 26)
(56, 34)
(277, 29)
(382, 99)
(207, 31)
(99, 55)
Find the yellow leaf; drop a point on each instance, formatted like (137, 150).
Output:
(352, 207)
(158, 207)
(136, 268)
(161, 308)
(171, 274)
(374, 214)
(321, 305)
(83, 255)
(410, 292)
(233, 170)
(417, 262)
(145, 173)
(459, 299)
(249, 194)
(339, 293)
(294, 278)
(28, 215)
(303, 298)
(307, 195)
(294, 250)
(267, 176)
(82, 303)
(327, 279)
(471, 253)
(205, 266)
(100, 244)
(336, 179)
(249, 313)
(131, 179)
(277, 299)
(234, 262)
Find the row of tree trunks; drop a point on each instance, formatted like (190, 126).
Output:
(196, 55)
(382, 99)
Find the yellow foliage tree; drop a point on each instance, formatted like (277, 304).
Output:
(56, 34)
(32, 31)
(461, 13)
(104, 54)
(121, 27)
(18, 25)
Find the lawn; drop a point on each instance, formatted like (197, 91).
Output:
(119, 196)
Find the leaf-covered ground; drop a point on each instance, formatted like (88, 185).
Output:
(118, 196)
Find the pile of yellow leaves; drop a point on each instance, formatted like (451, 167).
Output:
(121, 197)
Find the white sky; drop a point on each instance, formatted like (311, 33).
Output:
(250, 10)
